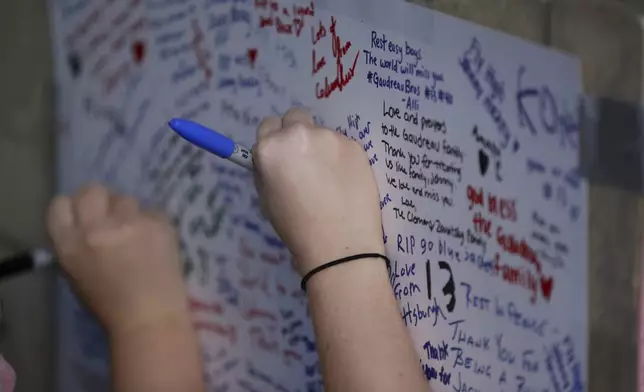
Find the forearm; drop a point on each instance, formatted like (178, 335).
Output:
(362, 342)
(162, 357)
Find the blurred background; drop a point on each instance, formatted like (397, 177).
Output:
(606, 35)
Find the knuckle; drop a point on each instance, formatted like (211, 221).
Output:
(266, 121)
(297, 113)
(58, 209)
(292, 137)
(90, 196)
(92, 191)
(267, 124)
(298, 139)
(291, 111)
(93, 238)
(297, 133)
(57, 201)
(297, 128)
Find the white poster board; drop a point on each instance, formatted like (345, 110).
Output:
(473, 136)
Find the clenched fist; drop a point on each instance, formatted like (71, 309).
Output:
(317, 189)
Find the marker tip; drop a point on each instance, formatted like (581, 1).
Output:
(173, 123)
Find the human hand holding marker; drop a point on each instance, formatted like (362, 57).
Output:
(297, 166)
(321, 196)
(317, 189)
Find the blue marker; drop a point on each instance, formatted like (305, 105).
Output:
(212, 141)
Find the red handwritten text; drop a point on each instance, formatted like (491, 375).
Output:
(290, 355)
(482, 225)
(197, 305)
(202, 54)
(245, 250)
(111, 80)
(317, 36)
(503, 208)
(228, 331)
(82, 29)
(270, 258)
(517, 276)
(475, 196)
(283, 28)
(298, 24)
(525, 278)
(515, 247)
(255, 313)
(308, 10)
(317, 64)
(265, 21)
(342, 78)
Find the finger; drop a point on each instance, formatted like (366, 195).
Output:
(123, 207)
(268, 125)
(297, 116)
(60, 220)
(91, 205)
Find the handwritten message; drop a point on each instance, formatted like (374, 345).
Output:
(473, 140)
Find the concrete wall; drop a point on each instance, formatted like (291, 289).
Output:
(604, 33)
(26, 180)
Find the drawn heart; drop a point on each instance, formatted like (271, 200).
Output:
(484, 162)
(546, 287)
(252, 56)
(74, 62)
(138, 51)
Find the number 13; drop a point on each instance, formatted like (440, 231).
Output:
(448, 290)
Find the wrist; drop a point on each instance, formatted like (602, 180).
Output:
(150, 324)
(169, 343)
(356, 276)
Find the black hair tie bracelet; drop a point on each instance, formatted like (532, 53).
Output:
(340, 261)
